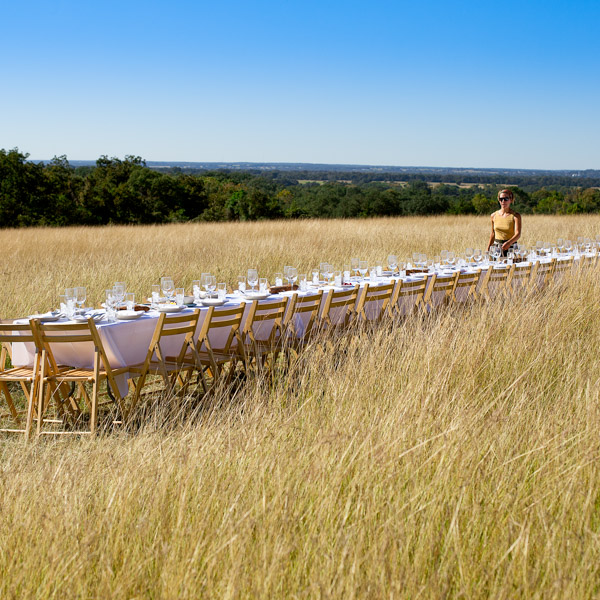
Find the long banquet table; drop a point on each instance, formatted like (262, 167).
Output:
(126, 342)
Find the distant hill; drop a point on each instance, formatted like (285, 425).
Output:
(341, 168)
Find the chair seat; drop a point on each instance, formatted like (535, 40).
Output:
(17, 374)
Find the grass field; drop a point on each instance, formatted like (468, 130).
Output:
(456, 456)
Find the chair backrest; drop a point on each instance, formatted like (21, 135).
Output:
(440, 289)
(563, 267)
(586, 262)
(410, 297)
(466, 285)
(221, 330)
(339, 308)
(15, 332)
(265, 322)
(54, 335)
(519, 278)
(303, 314)
(494, 282)
(373, 302)
(543, 273)
(183, 325)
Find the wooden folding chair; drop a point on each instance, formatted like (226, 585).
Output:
(542, 274)
(374, 303)
(586, 262)
(220, 346)
(263, 334)
(302, 320)
(25, 376)
(170, 369)
(440, 290)
(339, 310)
(410, 297)
(54, 377)
(466, 285)
(494, 282)
(563, 268)
(519, 279)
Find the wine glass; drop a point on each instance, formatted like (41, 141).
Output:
(392, 263)
(292, 276)
(560, 244)
(168, 288)
(211, 284)
(323, 267)
(252, 278)
(469, 254)
(450, 258)
(354, 265)
(80, 297)
(363, 267)
(568, 245)
(477, 256)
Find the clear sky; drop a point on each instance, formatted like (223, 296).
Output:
(513, 84)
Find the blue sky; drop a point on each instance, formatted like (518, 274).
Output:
(430, 83)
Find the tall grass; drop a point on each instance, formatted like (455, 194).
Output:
(454, 456)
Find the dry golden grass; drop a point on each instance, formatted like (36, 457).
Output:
(456, 456)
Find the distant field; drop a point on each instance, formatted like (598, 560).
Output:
(405, 183)
(452, 457)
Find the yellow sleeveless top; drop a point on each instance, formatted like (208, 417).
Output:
(504, 226)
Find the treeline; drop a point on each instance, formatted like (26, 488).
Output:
(128, 192)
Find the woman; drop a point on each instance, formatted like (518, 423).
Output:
(506, 223)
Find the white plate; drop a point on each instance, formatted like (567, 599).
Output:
(257, 295)
(170, 308)
(46, 317)
(129, 315)
(212, 302)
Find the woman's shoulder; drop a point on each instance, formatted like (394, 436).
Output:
(495, 213)
(516, 214)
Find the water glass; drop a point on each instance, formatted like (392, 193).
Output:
(302, 282)
(222, 290)
(379, 268)
(347, 273)
(196, 289)
(155, 296)
(110, 305)
(242, 284)
(402, 268)
(62, 299)
(179, 296)
(278, 279)
(337, 278)
(263, 284)
(373, 275)
(129, 301)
